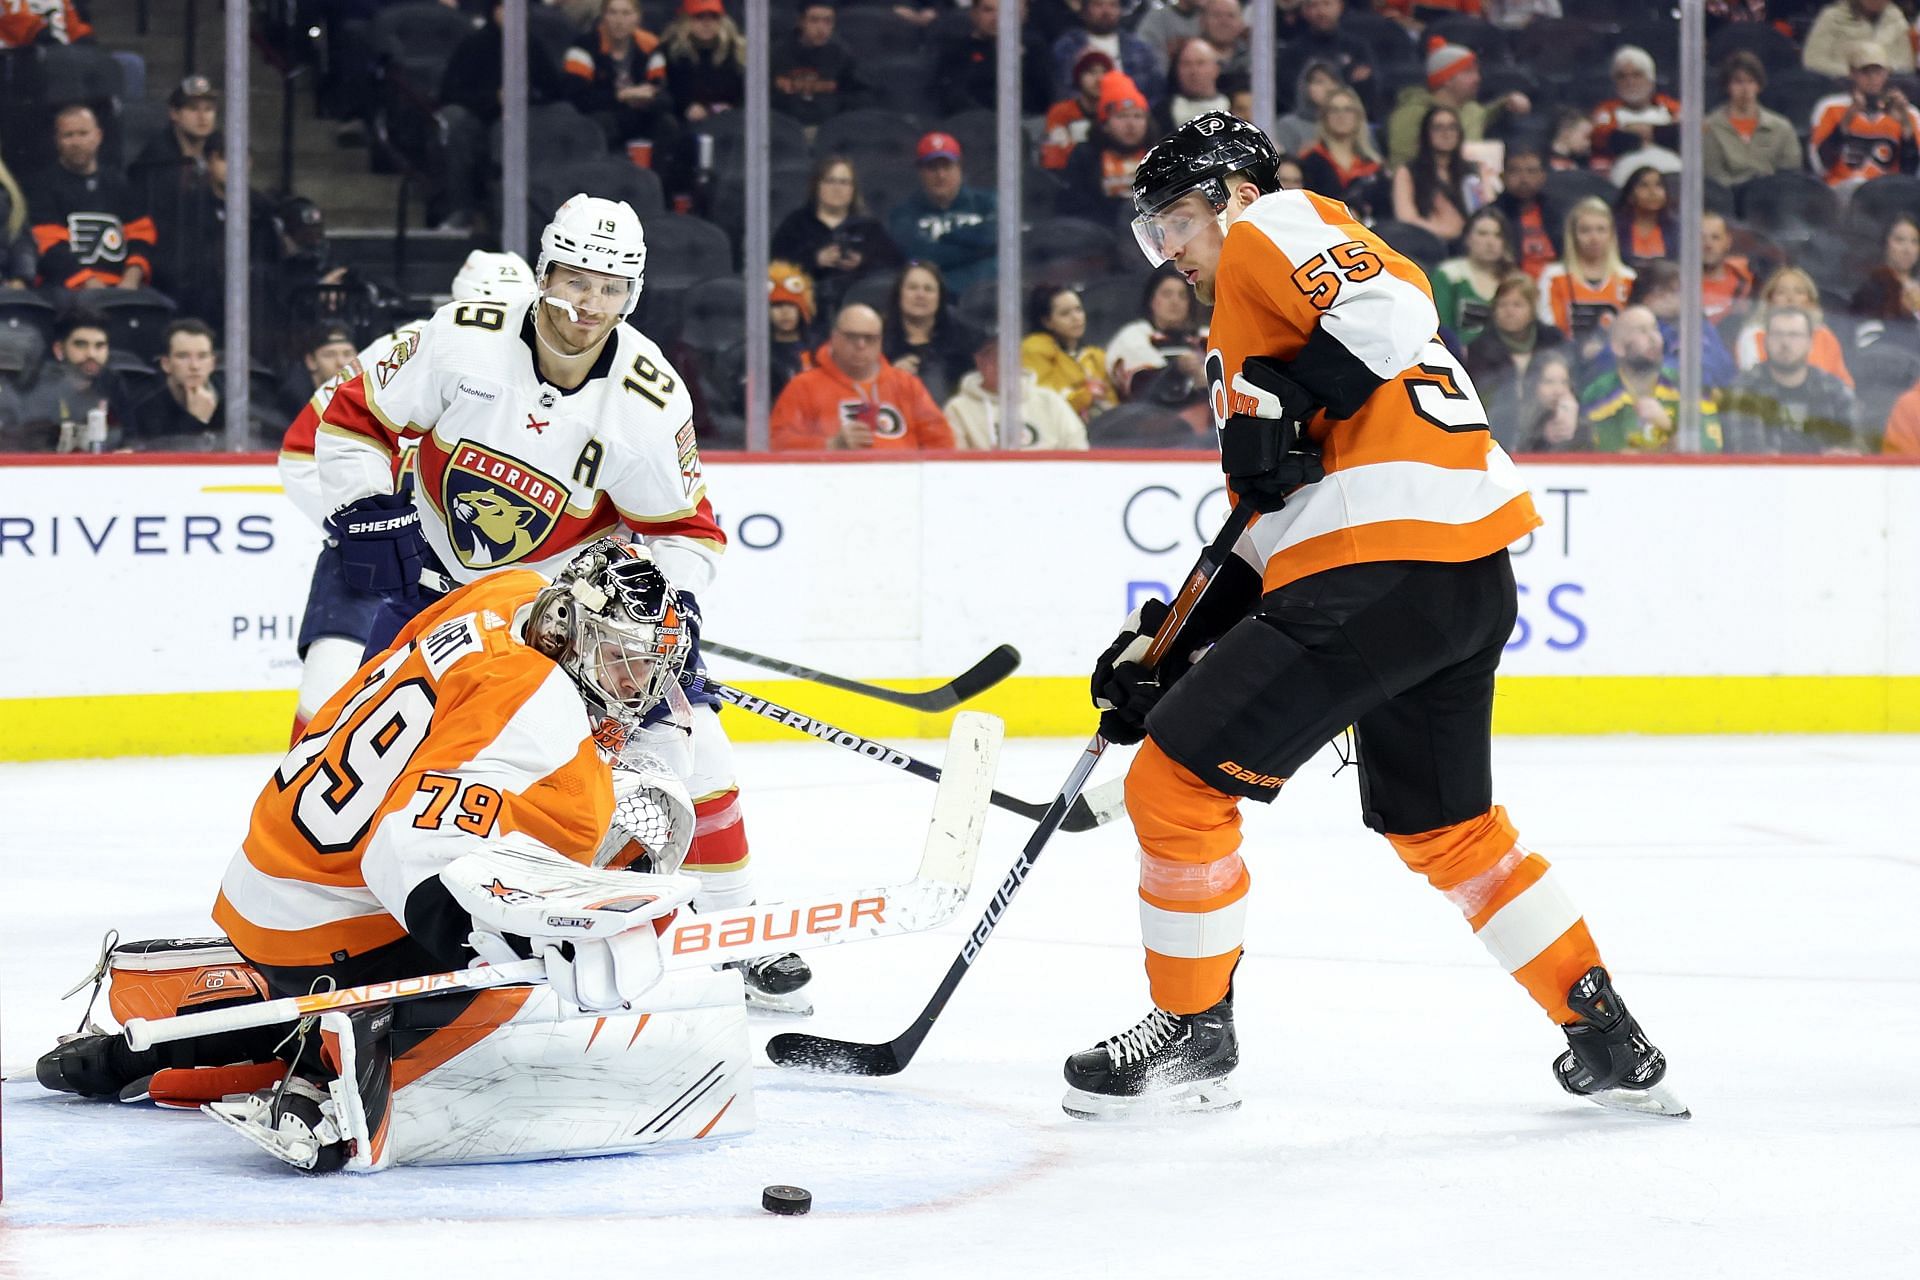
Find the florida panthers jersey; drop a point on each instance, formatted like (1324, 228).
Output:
(513, 470)
(1413, 472)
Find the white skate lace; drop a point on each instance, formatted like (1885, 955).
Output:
(1145, 1039)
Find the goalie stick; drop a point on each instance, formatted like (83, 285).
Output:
(849, 1057)
(927, 901)
(971, 683)
(1102, 806)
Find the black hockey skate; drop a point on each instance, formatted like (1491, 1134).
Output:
(775, 983)
(1609, 1060)
(1168, 1064)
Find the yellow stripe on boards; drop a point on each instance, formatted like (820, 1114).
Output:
(242, 488)
(167, 724)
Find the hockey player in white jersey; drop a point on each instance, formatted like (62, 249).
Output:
(338, 619)
(542, 425)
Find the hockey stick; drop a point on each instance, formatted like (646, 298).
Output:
(846, 1057)
(927, 901)
(971, 683)
(1096, 809)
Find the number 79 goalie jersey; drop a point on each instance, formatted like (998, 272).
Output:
(1412, 472)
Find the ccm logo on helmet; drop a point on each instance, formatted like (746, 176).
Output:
(772, 926)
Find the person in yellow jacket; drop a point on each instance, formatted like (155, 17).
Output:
(1055, 351)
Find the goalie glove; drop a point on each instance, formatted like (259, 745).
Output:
(382, 550)
(1266, 453)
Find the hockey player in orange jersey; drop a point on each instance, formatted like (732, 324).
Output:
(1374, 591)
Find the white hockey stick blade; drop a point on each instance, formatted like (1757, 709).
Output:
(927, 901)
(1106, 801)
(937, 890)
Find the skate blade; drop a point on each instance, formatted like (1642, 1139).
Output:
(1198, 1097)
(1657, 1101)
(242, 1118)
(794, 1004)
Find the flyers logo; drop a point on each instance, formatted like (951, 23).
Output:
(1208, 126)
(499, 510)
(884, 419)
(96, 238)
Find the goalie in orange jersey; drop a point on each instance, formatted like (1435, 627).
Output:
(1374, 591)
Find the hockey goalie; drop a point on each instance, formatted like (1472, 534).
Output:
(488, 791)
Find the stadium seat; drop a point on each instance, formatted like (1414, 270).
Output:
(728, 129)
(416, 40)
(25, 308)
(864, 134)
(82, 72)
(875, 289)
(22, 348)
(1477, 34)
(1659, 37)
(1417, 243)
(1142, 425)
(610, 177)
(903, 82)
(682, 249)
(1776, 52)
(553, 30)
(556, 134)
(1385, 39)
(884, 182)
(787, 179)
(1039, 193)
(713, 314)
(1066, 251)
(1795, 92)
(1875, 203)
(133, 74)
(1111, 302)
(1715, 196)
(873, 33)
(1566, 187)
(978, 133)
(137, 319)
(1559, 48)
(1882, 373)
(1790, 207)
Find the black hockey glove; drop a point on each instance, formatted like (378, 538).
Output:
(1266, 453)
(1124, 690)
(381, 548)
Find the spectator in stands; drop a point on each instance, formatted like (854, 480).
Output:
(705, 58)
(169, 179)
(1070, 119)
(1513, 15)
(325, 351)
(1100, 29)
(1452, 80)
(1047, 421)
(1320, 39)
(1868, 131)
(1726, 279)
(1548, 412)
(20, 357)
(854, 399)
(1572, 145)
(790, 311)
(1055, 348)
(831, 235)
(1646, 228)
(1297, 130)
(624, 89)
(1785, 405)
(1224, 26)
(16, 246)
(1239, 90)
(1166, 24)
(922, 336)
(1846, 23)
(1900, 249)
(1657, 288)
(953, 226)
(53, 410)
(1886, 311)
(1289, 174)
(1790, 287)
(1634, 407)
(1639, 116)
(1160, 357)
(1196, 85)
(965, 71)
(1099, 174)
(1580, 294)
(1342, 164)
(42, 21)
(813, 74)
(1513, 335)
(1903, 425)
(187, 401)
(1522, 198)
(1463, 286)
(88, 223)
(470, 89)
(1743, 139)
(1430, 190)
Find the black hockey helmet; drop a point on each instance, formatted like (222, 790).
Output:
(1198, 156)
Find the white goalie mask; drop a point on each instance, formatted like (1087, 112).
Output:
(598, 235)
(493, 277)
(613, 624)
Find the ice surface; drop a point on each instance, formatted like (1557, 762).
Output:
(1754, 898)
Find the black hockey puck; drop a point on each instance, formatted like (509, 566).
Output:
(781, 1199)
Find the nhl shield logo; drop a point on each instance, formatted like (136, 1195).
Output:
(499, 510)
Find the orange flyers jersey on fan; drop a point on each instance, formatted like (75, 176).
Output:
(458, 734)
(1412, 471)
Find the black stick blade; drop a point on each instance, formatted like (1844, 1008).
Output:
(803, 1052)
(984, 674)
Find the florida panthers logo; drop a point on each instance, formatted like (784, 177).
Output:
(499, 510)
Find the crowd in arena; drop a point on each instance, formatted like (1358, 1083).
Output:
(1525, 152)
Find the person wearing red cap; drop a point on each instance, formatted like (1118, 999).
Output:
(1452, 80)
(1069, 119)
(947, 223)
(1099, 173)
